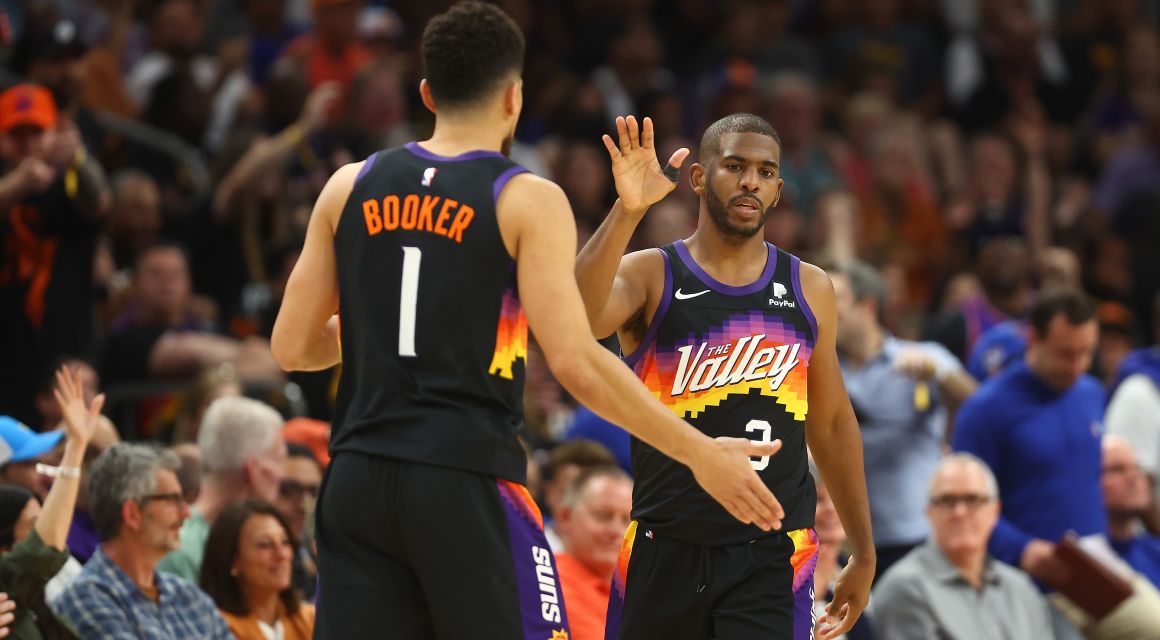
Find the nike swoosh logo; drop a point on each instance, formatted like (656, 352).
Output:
(686, 296)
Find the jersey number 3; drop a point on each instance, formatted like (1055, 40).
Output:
(408, 300)
(763, 427)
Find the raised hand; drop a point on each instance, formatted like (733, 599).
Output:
(80, 421)
(723, 470)
(640, 182)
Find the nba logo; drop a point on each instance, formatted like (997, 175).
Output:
(428, 176)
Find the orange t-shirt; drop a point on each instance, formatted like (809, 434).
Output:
(585, 598)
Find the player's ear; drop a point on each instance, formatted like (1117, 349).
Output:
(425, 94)
(513, 97)
(697, 177)
(777, 194)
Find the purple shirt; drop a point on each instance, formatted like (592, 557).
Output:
(82, 536)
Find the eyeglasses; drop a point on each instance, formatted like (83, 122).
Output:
(175, 499)
(292, 490)
(971, 501)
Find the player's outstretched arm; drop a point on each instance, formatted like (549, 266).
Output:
(538, 230)
(614, 290)
(305, 334)
(836, 443)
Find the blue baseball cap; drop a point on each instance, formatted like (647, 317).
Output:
(18, 443)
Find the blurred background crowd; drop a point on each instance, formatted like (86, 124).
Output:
(973, 172)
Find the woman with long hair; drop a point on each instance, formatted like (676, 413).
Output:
(247, 569)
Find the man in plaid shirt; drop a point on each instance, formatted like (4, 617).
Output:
(137, 506)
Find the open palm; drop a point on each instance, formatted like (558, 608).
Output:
(640, 183)
(80, 420)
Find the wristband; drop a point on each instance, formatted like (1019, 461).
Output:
(58, 472)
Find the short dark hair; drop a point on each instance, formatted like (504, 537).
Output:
(1074, 305)
(295, 450)
(221, 550)
(469, 51)
(735, 123)
(580, 452)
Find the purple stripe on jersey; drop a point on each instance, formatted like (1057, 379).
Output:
(795, 276)
(729, 290)
(651, 333)
(414, 148)
(803, 611)
(540, 595)
(367, 164)
(502, 180)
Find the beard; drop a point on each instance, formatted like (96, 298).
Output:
(719, 213)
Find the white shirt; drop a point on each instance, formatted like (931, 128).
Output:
(275, 632)
(1134, 415)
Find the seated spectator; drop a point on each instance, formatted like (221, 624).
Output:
(1127, 496)
(949, 587)
(33, 538)
(136, 503)
(242, 457)
(20, 451)
(565, 463)
(297, 495)
(162, 334)
(247, 572)
(594, 514)
(831, 539)
(1134, 409)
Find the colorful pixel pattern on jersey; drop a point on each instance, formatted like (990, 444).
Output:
(511, 336)
(748, 351)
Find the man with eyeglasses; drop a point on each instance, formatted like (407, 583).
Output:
(949, 587)
(136, 503)
(297, 494)
(1128, 497)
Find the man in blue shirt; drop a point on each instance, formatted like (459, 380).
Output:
(137, 505)
(902, 392)
(1038, 426)
(1126, 493)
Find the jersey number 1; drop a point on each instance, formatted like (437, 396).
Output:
(762, 426)
(408, 300)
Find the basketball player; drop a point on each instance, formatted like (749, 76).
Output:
(431, 253)
(736, 336)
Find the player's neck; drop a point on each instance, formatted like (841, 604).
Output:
(731, 261)
(456, 135)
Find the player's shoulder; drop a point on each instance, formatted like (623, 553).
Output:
(815, 283)
(527, 191)
(645, 263)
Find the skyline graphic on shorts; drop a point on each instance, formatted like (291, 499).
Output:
(659, 366)
(511, 336)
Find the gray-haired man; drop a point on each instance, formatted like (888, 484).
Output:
(136, 504)
(948, 587)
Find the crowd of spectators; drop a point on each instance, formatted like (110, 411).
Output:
(980, 177)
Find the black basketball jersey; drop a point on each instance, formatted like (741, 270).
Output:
(433, 334)
(731, 361)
